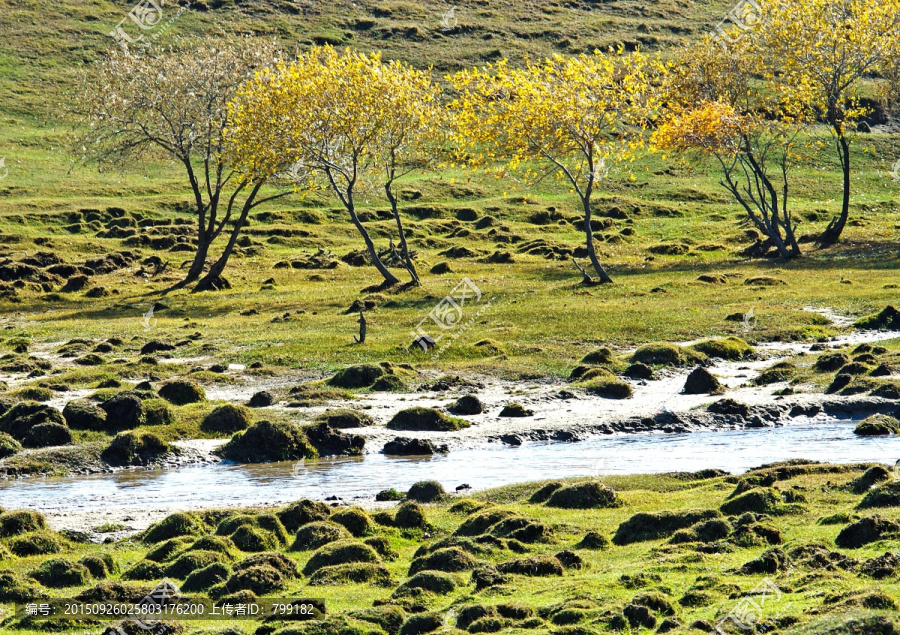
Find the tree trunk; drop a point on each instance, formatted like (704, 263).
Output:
(836, 227)
(196, 268)
(404, 249)
(209, 281)
(389, 278)
(589, 236)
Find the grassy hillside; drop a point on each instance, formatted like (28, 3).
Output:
(518, 246)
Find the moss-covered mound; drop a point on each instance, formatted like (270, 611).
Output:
(654, 526)
(888, 319)
(252, 539)
(181, 392)
(355, 377)
(57, 573)
(302, 512)
(355, 520)
(168, 549)
(882, 495)
(259, 580)
(831, 362)
(449, 559)
(602, 355)
(865, 531)
(730, 348)
(436, 582)
(124, 411)
(8, 445)
(877, 425)
(758, 501)
(191, 561)
(353, 573)
(426, 492)
(206, 578)
(100, 566)
(532, 566)
(278, 561)
(172, 526)
(81, 414)
(12, 589)
(702, 382)
(666, 354)
(228, 418)
(410, 516)
(135, 448)
(383, 376)
(35, 425)
(36, 543)
(342, 552)
(871, 477)
(583, 496)
(608, 387)
(467, 405)
(425, 420)
(266, 442)
(14, 523)
(313, 535)
(342, 418)
(328, 442)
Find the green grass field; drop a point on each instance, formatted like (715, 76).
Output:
(689, 582)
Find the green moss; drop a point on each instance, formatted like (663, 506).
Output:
(135, 448)
(341, 552)
(607, 387)
(8, 445)
(172, 526)
(61, 572)
(730, 348)
(340, 418)
(228, 418)
(425, 419)
(265, 442)
(317, 534)
(14, 523)
(665, 354)
(181, 392)
(355, 520)
(37, 543)
(877, 425)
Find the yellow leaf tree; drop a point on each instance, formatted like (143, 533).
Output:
(410, 135)
(344, 120)
(818, 52)
(172, 103)
(714, 109)
(570, 116)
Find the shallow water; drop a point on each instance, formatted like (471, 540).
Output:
(151, 494)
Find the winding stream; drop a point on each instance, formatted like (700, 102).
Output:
(136, 498)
